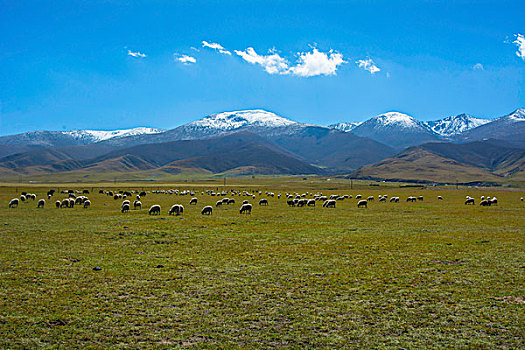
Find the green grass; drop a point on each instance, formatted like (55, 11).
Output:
(431, 274)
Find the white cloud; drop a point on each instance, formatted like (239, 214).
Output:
(273, 63)
(185, 59)
(317, 63)
(308, 64)
(478, 66)
(216, 46)
(136, 54)
(368, 65)
(520, 43)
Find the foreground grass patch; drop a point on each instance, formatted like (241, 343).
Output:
(432, 274)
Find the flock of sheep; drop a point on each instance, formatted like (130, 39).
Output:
(307, 199)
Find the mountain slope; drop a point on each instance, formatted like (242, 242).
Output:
(330, 148)
(345, 126)
(27, 141)
(214, 155)
(397, 130)
(455, 125)
(448, 162)
(510, 128)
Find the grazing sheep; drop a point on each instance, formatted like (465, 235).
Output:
(311, 203)
(57, 204)
(521, 199)
(154, 210)
(411, 199)
(246, 209)
(370, 198)
(493, 201)
(87, 204)
(137, 204)
(176, 209)
(382, 199)
(22, 198)
(440, 198)
(71, 203)
(420, 198)
(290, 203)
(358, 196)
(126, 202)
(302, 202)
(263, 201)
(207, 210)
(124, 208)
(231, 201)
(329, 203)
(41, 203)
(193, 201)
(362, 203)
(485, 203)
(245, 202)
(218, 204)
(469, 201)
(13, 203)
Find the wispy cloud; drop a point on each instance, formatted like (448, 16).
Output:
(308, 64)
(216, 46)
(520, 43)
(136, 54)
(272, 63)
(478, 66)
(368, 65)
(185, 59)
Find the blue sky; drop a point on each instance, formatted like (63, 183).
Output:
(119, 64)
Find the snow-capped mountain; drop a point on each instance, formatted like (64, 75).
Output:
(257, 120)
(510, 128)
(345, 126)
(102, 135)
(396, 129)
(456, 125)
(237, 119)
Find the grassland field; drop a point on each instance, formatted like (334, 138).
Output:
(427, 275)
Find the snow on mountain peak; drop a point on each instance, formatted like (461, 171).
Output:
(345, 126)
(236, 119)
(518, 114)
(456, 125)
(102, 135)
(397, 119)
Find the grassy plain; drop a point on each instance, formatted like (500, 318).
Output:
(431, 274)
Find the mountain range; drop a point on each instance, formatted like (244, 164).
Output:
(258, 141)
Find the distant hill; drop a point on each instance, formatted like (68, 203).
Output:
(448, 162)
(214, 155)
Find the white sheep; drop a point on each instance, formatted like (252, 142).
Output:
(13, 203)
(176, 209)
(207, 210)
(362, 203)
(87, 204)
(246, 209)
(263, 201)
(137, 204)
(41, 203)
(469, 201)
(440, 198)
(330, 203)
(193, 201)
(124, 208)
(57, 204)
(154, 210)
